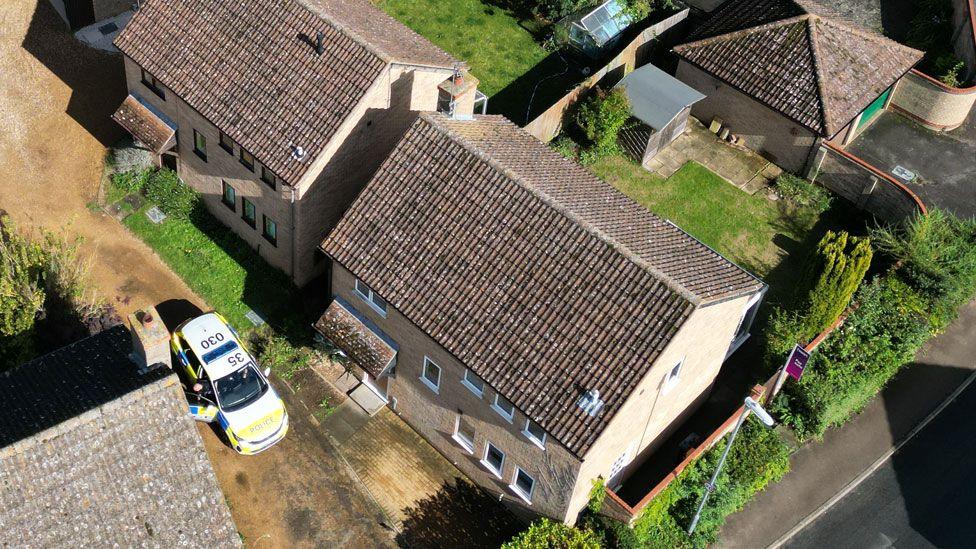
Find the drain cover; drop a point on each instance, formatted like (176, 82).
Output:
(904, 173)
(254, 317)
(155, 215)
(108, 29)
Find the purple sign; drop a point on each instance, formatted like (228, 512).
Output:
(797, 362)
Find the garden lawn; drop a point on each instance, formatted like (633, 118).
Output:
(493, 42)
(223, 269)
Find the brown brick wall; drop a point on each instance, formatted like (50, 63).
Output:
(931, 104)
(206, 177)
(760, 128)
(434, 415)
(645, 420)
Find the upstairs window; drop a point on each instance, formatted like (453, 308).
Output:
(464, 434)
(535, 433)
(672, 377)
(372, 298)
(247, 159)
(229, 196)
(431, 375)
(200, 145)
(504, 408)
(226, 143)
(268, 177)
(473, 383)
(150, 82)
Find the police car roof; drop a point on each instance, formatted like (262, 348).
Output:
(201, 329)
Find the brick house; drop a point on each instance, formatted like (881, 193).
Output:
(536, 326)
(279, 111)
(784, 75)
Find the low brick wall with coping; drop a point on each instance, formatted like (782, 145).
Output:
(930, 102)
(616, 508)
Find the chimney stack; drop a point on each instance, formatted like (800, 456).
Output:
(150, 340)
(319, 42)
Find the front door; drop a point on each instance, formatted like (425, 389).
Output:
(169, 161)
(873, 110)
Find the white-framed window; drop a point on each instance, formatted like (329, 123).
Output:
(504, 408)
(522, 484)
(464, 433)
(372, 298)
(535, 433)
(618, 464)
(431, 375)
(494, 459)
(473, 383)
(673, 376)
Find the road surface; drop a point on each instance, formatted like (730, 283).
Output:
(924, 496)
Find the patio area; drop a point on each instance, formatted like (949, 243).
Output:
(944, 164)
(739, 166)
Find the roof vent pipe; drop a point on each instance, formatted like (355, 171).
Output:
(319, 42)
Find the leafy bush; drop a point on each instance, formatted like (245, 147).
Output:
(277, 353)
(833, 275)
(757, 458)
(800, 192)
(131, 181)
(548, 534)
(174, 197)
(938, 255)
(21, 292)
(610, 533)
(851, 366)
(600, 117)
(565, 146)
(947, 68)
(931, 31)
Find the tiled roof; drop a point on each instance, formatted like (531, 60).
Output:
(538, 276)
(143, 124)
(250, 67)
(351, 334)
(799, 58)
(93, 452)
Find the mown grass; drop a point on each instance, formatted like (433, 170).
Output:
(498, 47)
(220, 267)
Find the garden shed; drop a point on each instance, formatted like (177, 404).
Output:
(660, 105)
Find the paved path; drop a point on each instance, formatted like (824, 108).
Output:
(922, 497)
(822, 469)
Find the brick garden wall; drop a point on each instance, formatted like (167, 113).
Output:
(931, 103)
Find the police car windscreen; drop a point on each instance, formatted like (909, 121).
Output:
(213, 355)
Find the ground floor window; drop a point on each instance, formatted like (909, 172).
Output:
(494, 459)
(522, 484)
(464, 433)
(270, 230)
(248, 213)
(229, 196)
(200, 145)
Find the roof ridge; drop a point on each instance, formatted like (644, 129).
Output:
(815, 55)
(625, 251)
(742, 32)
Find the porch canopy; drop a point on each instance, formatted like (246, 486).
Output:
(360, 339)
(151, 129)
(656, 97)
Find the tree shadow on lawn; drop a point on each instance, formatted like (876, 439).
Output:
(460, 515)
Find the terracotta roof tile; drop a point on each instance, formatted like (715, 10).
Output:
(799, 58)
(538, 276)
(340, 325)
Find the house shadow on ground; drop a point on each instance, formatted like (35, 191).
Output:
(459, 515)
(96, 77)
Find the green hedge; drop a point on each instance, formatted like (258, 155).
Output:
(549, 534)
(757, 458)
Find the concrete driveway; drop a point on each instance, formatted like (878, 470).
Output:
(944, 162)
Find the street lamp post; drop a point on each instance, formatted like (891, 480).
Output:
(750, 406)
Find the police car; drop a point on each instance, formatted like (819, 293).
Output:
(227, 385)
